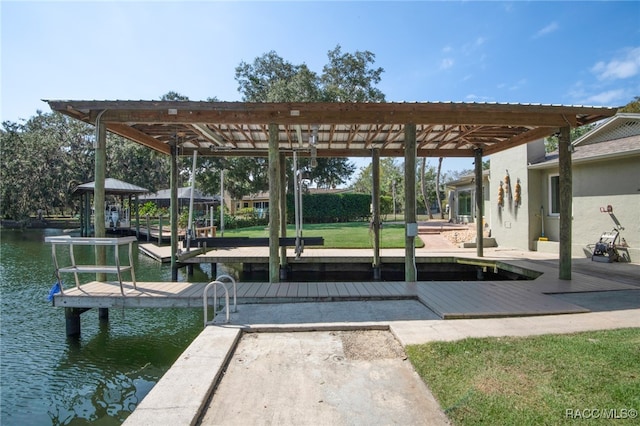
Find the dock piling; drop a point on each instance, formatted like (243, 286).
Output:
(72, 320)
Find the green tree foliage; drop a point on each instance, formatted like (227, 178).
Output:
(137, 164)
(346, 78)
(391, 181)
(43, 160)
(633, 106)
(551, 143)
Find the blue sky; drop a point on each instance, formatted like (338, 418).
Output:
(578, 53)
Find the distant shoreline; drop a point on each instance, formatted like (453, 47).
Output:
(48, 222)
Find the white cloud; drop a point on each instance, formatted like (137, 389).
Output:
(625, 66)
(446, 63)
(476, 98)
(606, 98)
(518, 84)
(553, 26)
(447, 49)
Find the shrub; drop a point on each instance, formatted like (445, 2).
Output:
(327, 208)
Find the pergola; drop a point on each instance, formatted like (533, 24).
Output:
(277, 130)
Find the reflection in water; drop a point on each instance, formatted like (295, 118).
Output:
(98, 378)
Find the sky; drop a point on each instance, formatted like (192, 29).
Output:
(561, 52)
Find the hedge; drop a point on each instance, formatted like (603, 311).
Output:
(328, 208)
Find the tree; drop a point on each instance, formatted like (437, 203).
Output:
(346, 78)
(633, 106)
(438, 198)
(423, 188)
(43, 160)
(551, 143)
(173, 96)
(136, 164)
(391, 180)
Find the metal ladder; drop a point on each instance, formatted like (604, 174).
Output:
(214, 284)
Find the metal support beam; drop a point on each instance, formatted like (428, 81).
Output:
(411, 225)
(173, 213)
(99, 193)
(283, 213)
(479, 203)
(274, 204)
(565, 202)
(375, 219)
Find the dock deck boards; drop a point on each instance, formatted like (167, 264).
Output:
(447, 299)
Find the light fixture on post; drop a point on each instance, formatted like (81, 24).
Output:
(313, 142)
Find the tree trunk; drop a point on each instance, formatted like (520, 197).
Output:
(438, 188)
(423, 187)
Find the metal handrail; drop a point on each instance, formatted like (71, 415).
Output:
(215, 298)
(230, 278)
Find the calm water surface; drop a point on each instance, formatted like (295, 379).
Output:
(99, 378)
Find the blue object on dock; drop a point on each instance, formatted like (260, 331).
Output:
(55, 289)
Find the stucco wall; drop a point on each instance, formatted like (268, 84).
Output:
(510, 223)
(599, 184)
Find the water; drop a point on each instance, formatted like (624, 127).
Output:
(47, 378)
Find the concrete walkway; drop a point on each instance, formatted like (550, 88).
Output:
(273, 375)
(295, 363)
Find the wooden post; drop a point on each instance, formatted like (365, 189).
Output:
(137, 204)
(565, 202)
(98, 192)
(283, 214)
(479, 203)
(87, 215)
(410, 202)
(375, 206)
(103, 314)
(72, 320)
(274, 203)
(174, 212)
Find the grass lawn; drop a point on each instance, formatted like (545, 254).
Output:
(543, 380)
(337, 235)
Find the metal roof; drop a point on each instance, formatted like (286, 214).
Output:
(443, 129)
(183, 193)
(112, 186)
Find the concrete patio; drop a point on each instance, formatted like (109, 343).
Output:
(199, 388)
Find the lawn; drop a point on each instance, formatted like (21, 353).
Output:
(338, 235)
(544, 380)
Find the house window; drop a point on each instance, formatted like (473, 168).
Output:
(554, 195)
(246, 204)
(464, 203)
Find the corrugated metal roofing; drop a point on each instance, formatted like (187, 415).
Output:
(443, 129)
(112, 186)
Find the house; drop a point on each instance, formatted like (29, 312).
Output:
(523, 211)
(461, 198)
(260, 201)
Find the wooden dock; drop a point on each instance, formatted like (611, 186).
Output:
(447, 299)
